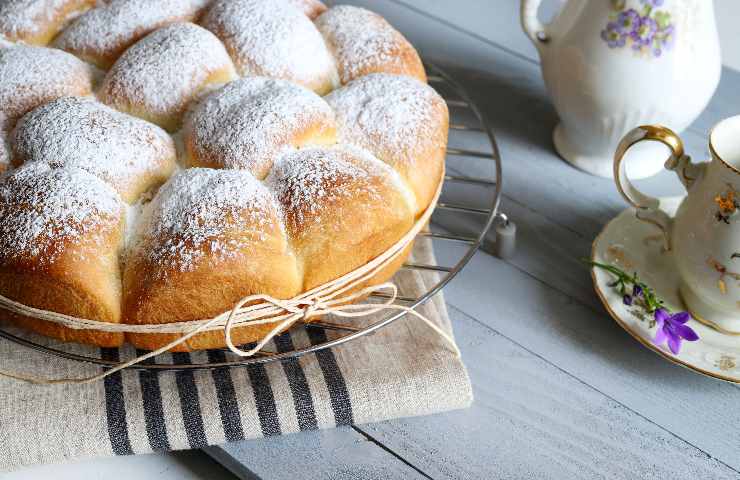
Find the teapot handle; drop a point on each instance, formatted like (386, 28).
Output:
(532, 26)
(648, 208)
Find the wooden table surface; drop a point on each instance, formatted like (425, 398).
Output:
(561, 391)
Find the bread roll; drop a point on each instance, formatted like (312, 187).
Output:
(160, 75)
(36, 22)
(311, 8)
(131, 155)
(363, 42)
(273, 38)
(102, 34)
(283, 190)
(31, 76)
(342, 206)
(248, 122)
(401, 121)
(208, 239)
(60, 234)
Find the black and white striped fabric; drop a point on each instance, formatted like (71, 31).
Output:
(403, 370)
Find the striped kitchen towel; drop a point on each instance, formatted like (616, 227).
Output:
(403, 370)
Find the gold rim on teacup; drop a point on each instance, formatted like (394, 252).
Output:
(713, 149)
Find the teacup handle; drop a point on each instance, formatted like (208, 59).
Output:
(648, 208)
(532, 26)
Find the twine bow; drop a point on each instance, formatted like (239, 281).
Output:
(335, 297)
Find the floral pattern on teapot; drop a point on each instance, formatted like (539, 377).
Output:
(646, 29)
(727, 205)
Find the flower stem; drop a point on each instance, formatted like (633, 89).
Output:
(652, 302)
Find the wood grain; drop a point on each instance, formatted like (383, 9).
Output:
(342, 453)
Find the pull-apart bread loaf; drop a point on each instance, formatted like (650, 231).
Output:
(164, 159)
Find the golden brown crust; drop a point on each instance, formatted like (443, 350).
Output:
(273, 39)
(363, 42)
(343, 207)
(312, 8)
(102, 34)
(75, 269)
(32, 76)
(158, 77)
(247, 123)
(37, 22)
(401, 121)
(131, 155)
(210, 238)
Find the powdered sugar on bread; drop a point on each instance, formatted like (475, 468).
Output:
(248, 122)
(275, 39)
(102, 34)
(205, 214)
(122, 150)
(388, 114)
(32, 76)
(158, 76)
(43, 210)
(363, 42)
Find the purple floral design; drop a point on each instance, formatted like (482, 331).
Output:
(672, 328)
(649, 31)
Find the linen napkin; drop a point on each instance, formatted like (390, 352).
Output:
(403, 370)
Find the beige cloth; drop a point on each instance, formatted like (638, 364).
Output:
(403, 370)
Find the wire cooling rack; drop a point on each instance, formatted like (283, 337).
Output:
(466, 120)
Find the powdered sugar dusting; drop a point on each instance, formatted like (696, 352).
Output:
(105, 32)
(274, 39)
(205, 214)
(81, 132)
(361, 40)
(43, 209)
(388, 114)
(19, 18)
(249, 121)
(31, 76)
(4, 152)
(164, 71)
(308, 182)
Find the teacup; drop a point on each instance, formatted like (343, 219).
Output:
(704, 235)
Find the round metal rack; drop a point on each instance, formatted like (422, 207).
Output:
(466, 119)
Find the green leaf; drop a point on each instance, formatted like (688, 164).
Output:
(663, 19)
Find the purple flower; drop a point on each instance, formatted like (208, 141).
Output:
(630, 299)
(668, 35)
(643, 34)
(614, 36)
(673, 328)
(628, 21)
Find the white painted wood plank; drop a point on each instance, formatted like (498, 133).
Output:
(187, 465)
(342, 453)
(590, 346)
(530, 420)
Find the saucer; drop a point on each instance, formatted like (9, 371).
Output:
(636, 246)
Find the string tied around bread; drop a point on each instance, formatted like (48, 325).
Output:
(334, 297)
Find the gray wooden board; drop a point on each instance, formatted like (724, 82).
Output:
(530, 420)
(541, 301)
(343, 453)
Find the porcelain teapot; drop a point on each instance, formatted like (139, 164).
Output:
(704, 234)
(610, 65)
